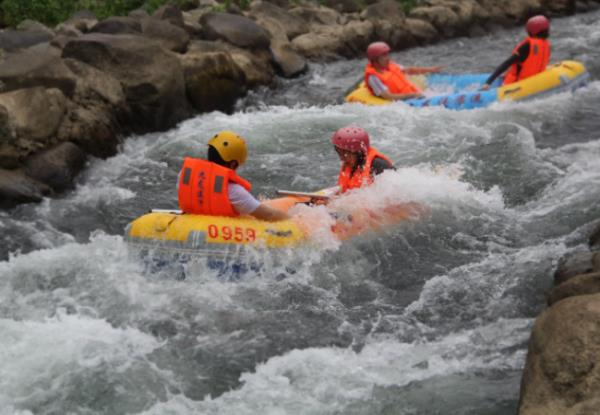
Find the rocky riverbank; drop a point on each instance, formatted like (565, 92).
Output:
(562, 375)
(77, 89)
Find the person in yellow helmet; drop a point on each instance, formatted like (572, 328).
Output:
(212, 187)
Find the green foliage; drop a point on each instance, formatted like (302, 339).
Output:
(52, 12)
(408, 5)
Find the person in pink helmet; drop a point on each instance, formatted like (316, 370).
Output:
(386, 79)
(360, 161)
(530, 57)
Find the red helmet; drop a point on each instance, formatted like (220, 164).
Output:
(537, 24)
(351, 138)
(377, 49)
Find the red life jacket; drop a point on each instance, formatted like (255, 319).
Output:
(393, 77)
(361, 176)
(536, 62)
(203, 188)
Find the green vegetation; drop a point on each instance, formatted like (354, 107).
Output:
(408, 5)
(52, 12)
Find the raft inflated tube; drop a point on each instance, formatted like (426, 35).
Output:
(563, 76)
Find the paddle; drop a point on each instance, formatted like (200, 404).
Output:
(303, 194)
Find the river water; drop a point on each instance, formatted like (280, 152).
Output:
(431, 316)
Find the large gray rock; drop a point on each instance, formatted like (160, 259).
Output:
(12, 40)
(9, 155)
(577, 263)
(31, 68)
(237, 30)
(16, 188)
(170, 37)
(171, 14)
(583, 284)
(35, 113)
(292, 24)
(256, 65)
(383, 10)
(562, 375)
(213, 80)
(443, 18)
(152, 77)
(317, 15)
(332, 42)
(56, 166)
(423, 32)
(288, 62)
(118, 25)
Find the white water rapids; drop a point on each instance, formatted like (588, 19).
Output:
(427, 317)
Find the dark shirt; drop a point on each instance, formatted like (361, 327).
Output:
(518, 57)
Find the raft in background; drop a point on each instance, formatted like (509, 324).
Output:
(560, 77)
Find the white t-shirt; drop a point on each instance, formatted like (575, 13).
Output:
(242, 200)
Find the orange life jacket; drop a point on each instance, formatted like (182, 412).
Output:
(393, 77)
(203, 188)
(536, 62)
(361, 176)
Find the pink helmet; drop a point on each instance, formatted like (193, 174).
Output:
(537, 24)
(377, 49)
(351, 138)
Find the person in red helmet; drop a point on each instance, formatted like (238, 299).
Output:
(386, 79)
(530, 57)
(360, 161)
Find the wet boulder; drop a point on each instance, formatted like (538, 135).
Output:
(237, 30)
(56, 166)
(561, 375)
(256, 65)
(151, 77)
(170, 37)
(213, 80)
(16, 188)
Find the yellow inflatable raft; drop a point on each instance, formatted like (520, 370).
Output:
(186, 232)
(563, 76)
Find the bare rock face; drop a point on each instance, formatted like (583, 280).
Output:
(213, 80)
(151, 77)
(578, 285)
(288, 62)
(256, 65)
(423, 32)
(35, 114)
(332, 42)
(57, 166)
(562, 375)
(237, 30)
(292, 25)
(319, 15)
(118, 25)
(13, 40)
(575, 264)
(170, 37)
(171, 14)
(443, 18)
(16, 188)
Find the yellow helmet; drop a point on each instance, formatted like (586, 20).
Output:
(230, 146)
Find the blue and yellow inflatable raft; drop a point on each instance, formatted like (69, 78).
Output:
(560, 77)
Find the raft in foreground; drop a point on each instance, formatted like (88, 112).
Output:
(173, 231)
(560, 77)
